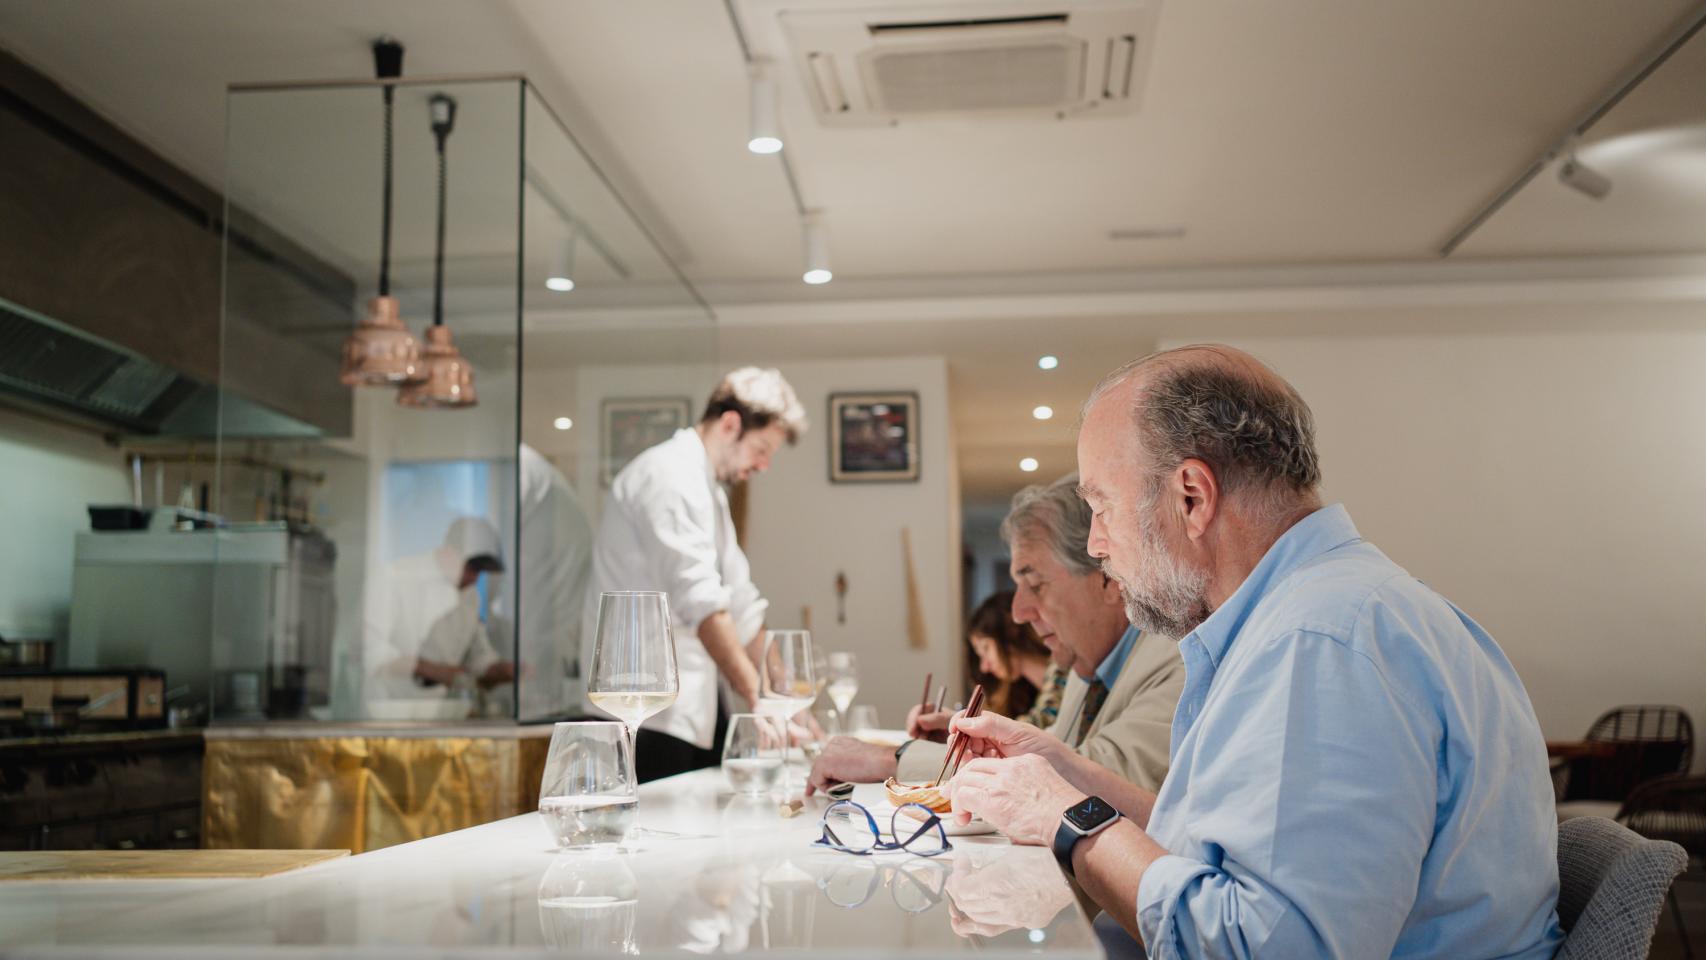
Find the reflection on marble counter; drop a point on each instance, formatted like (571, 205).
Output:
(736, 878)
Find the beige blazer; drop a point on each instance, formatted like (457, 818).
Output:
(1130, 736)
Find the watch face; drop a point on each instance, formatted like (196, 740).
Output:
(1090, 814)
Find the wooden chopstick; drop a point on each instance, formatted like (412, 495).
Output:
(957, 743)
(924, 701)
(941, 694)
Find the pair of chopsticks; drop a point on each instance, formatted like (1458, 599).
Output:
(924, 705)
(957, 742)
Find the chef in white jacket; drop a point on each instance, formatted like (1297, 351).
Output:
(423, 628)
(556, 561)
(666, 526)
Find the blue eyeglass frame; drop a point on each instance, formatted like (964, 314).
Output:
(931, 820)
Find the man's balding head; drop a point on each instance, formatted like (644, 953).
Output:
(1189, 457)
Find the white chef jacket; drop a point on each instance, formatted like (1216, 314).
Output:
(419, 612)
(556, 563)
(666, 526)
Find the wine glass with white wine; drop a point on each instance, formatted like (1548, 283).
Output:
(633, 664)
(787, 681)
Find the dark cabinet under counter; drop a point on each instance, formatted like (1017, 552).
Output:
(135, 790)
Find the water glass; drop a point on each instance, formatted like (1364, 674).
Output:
(752, 754)
(588, 797)
(590, 902)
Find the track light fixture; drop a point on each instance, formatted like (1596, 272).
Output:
(1577, 176)
(816, 241)
(765, 134)
(562, 275)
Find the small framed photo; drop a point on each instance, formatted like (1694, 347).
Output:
(632, 424)
(873, 437)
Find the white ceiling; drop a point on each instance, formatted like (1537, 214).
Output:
(1316, 139)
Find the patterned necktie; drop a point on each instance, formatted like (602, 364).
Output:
(1093, 699)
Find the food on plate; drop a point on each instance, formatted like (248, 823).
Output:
(925, 795)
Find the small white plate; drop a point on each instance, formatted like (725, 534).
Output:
(950, 825)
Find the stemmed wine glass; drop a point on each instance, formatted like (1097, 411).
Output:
(633, 664)
(787, 682)
(841, 677)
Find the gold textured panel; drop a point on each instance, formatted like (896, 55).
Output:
(362, 793)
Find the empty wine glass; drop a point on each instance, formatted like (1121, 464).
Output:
(633, 663)
(588, 796)
(787, 683)
(842, 676)
(752, 754)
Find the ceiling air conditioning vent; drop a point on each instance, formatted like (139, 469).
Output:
(881, 65)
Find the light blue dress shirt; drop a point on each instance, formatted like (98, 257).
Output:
(1109, 670)
(1356, 772)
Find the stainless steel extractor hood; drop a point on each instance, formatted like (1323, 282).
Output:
(51, 365)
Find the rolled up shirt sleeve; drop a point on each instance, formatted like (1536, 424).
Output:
(1323, 795)
(683, 552)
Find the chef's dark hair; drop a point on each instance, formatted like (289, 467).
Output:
(724, 400)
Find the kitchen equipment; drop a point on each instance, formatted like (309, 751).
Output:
(118, 517)
(21, 652)
(55, 701)
(243, 614)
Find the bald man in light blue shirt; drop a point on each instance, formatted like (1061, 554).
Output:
(1356, 770)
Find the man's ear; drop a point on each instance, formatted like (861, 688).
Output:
(1198, 496)
(729, 424)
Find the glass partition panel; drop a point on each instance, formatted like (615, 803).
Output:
(378, 561)
(618, 352)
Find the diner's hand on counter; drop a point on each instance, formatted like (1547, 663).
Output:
(847, 760)
(928, 724)
(1022, 796)
(997, 897)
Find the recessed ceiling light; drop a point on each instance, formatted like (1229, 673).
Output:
(562, 423)
(1048, 361)
(559, 284)
(1029, 464)
(1043, 412)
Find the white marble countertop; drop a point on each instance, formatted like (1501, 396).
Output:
(738, 878)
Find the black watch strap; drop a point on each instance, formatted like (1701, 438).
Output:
(1065, 839)
(1084, 819)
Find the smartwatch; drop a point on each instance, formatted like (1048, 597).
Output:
(1083, 819)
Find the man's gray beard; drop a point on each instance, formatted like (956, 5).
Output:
(1173, 599)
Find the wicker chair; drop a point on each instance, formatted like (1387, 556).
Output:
(1611, 885)
(1649, 741)
(1673, 809)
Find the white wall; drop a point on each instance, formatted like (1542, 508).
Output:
(48, 475)
(1551, 485)
(802, 529)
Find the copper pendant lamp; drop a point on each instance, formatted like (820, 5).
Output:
(446, 380)
(381, 352)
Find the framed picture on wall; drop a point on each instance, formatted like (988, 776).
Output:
(631, 424)
(873, 437)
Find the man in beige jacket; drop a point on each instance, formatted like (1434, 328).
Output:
(1132, 680)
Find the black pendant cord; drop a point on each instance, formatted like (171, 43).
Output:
(385, 237)
(443, 114)
(438, 254)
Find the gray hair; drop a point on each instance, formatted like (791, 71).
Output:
(1055, 514)
(1251, 427)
